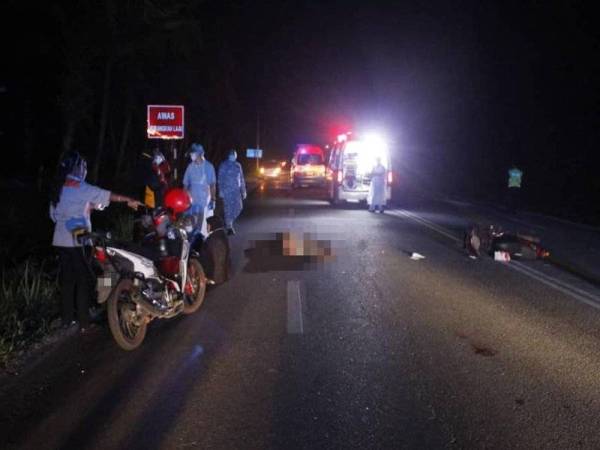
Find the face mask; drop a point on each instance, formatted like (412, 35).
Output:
(80, 171)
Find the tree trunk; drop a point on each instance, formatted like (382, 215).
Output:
(103, 120)
(124, 139)
(68, 135)
(29, 137)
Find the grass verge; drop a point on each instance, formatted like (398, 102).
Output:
(28, 305)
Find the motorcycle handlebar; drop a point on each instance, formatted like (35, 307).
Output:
(94, 236)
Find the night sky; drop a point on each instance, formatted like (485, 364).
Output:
(461, 89)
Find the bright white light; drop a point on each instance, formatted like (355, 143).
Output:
(367, 151)
(375, 140)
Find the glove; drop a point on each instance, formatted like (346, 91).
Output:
(211, 205)
(244, 195)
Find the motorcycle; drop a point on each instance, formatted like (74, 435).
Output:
(160, 279)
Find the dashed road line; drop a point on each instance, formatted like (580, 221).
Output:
(295, 321)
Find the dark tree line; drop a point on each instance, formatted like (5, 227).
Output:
(82, 73)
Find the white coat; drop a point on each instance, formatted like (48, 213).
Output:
(377, 189)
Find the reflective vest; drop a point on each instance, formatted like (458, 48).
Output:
(149, 197)
(514, 178)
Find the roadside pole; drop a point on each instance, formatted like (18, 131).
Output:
(257, 137)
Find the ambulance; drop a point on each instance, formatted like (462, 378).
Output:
(349, 166)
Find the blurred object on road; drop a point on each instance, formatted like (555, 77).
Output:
(491, 238)
(289, 251)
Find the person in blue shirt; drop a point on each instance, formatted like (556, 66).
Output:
(232, 189)
(200, 181)
(71, 203)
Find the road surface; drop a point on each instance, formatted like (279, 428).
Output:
(364, 348)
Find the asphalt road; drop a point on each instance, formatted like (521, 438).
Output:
(366, 348)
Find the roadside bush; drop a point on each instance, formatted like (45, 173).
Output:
(28, 304)
(117, 219)
(123, 226)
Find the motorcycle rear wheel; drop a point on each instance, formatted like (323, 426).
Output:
(192, 301)
(121, 312)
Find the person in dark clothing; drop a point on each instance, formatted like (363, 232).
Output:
(161, 179)
(144, 179)
(215, 253)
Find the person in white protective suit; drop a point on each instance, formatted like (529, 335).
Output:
(376, 198)
(200, 181)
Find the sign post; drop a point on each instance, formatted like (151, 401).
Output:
(254, 153)
(166, 122)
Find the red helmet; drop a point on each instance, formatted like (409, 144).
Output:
(178, 200)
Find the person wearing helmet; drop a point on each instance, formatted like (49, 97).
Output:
(71, 203)
(162, 171)
(232, 189)
(200, 181)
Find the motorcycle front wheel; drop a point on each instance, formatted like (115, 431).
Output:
(127, 328)
(195, 288)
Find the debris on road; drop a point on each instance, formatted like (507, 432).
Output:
(416, 256)
(501, 256)
(494, 241)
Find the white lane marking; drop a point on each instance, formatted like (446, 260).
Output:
(425, 223)
(562, 286)
(295, 323)
(558, 287)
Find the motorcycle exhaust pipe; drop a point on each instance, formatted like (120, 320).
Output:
(148, 307)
